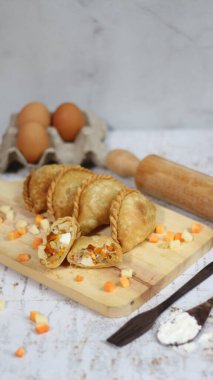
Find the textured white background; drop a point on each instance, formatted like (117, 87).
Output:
(75, 348)
(136, 63)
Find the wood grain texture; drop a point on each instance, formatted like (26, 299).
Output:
(153, 267)
(166, 180)
(177, 184)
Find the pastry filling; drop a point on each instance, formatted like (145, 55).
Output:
(58, 240)
(92, 255)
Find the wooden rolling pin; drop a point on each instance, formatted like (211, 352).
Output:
(166, 180)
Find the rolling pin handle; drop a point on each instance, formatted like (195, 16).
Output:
(122, 162)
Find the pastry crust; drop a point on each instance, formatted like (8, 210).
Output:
(36, 185)
(93, 199)
(132, 218)
(26, 193)
(60, 196)
(59, 240)
(95, 252)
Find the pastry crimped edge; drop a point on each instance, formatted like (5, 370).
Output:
(78, 234)
(26, 195)
(82, 187)
(55, 181)
(115, 210)
(98, 266)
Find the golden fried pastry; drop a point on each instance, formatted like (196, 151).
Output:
(63, 188)
(92, 201)
(132, 218)
(36, 185)
(95, 252)
(59, 240)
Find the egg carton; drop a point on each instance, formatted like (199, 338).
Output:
(88, 148)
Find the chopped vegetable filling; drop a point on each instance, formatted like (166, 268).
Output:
(58, 240)
(92, 255)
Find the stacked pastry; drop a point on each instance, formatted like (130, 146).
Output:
(80, 202)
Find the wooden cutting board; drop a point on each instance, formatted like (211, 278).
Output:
(153, 267)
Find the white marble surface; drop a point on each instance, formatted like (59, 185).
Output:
(138, 63)
(75, 348)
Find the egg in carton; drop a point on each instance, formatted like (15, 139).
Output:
(89, 146)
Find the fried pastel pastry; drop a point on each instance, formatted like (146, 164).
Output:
(58, 242)
(95, 252)
(92, 201)
(60, 196)
(132, 218)
(36, 185)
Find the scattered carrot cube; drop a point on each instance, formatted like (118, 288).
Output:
(22, 231)
(124, 282)
(36, 242)
(13, 235)
(41, 328)
(33, 315)
(79, 278)
(23, 257)
(20, 352)
(196, 228)
(178, 236)
(109, 286)
(153, 238)
(169, 236)
(159, 229)
(38, 219)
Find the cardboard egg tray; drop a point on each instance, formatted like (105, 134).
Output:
(88, 147)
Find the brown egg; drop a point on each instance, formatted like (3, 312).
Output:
(35, 111)
(68, 119)
(32, 140)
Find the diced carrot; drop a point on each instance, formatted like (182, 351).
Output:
(33, 315)
(124, 281)
(79, 278)
(38, 219)
(51, 236)
(159, 229)
(20, 352)
(97, 250)
(49, 249)
(13, 235)
(41, 328)
(178, 236)
(153, 238)
(22, 231)
(196, 228)
(169, 236)
(23, 257)
(109, 286)
(110, 248)
(36, 242)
